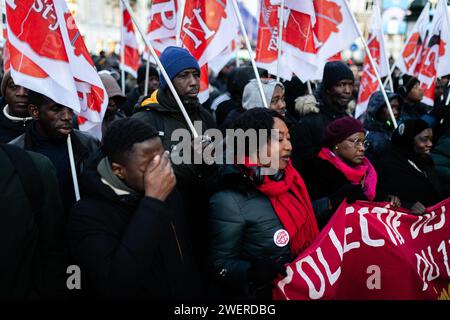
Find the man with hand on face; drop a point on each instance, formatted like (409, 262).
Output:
(47, 135)
(163, 113)
(128, 232)
(14, 116)
(333, 95)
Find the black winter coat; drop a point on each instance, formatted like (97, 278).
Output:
(9, 129)
(307, 134)
(242, 224)
(131, 247)
(409, 178)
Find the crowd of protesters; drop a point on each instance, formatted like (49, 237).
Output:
(149, 228)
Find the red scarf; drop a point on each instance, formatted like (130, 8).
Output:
(363, 174)
(291, 203)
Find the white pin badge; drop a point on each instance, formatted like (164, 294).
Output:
(281, 238)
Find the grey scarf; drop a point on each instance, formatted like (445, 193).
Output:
(111, 180)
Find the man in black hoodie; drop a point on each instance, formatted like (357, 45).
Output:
(128, 232)
(333, 95)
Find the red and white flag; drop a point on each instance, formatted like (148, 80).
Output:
(220, 61)
(48, 55)
(369, 82)
(207, 29)
(436, 53)
(411, 53)
(316, 30)
(6, 63)
(267, 44)
(163, 25)
(130, 59)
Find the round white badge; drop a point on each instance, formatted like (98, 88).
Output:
(281, 238)
(401, 129)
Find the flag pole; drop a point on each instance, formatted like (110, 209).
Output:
(162, 70)
(380, 83)
(280, 38)
(308, 84)
(181, 5)
(147, 71)
(72, 168)
(389, 76)
(147, 65)
(238, 46)
(122, 53)
(249, 49)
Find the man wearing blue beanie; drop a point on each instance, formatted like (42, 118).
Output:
(333, 96)
(162, 112)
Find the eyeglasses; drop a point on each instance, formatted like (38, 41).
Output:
(357, 142)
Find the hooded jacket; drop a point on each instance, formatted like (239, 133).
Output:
(130, 246)
(378, 133)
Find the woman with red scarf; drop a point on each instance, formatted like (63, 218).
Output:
(341, 169)
(258, 220)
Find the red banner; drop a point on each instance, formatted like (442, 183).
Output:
(368, 251)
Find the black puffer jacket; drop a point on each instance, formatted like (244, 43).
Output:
(242, 224)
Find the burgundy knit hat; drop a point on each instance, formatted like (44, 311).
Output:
(340, 129)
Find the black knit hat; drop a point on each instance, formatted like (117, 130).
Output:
(334, 72)
(406, 83)
(141, 73)
(403, 136)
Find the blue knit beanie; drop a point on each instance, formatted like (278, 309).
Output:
(175, 60)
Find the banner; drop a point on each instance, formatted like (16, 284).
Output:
(130, 59)
(368, 82)
(48, 55)
(368, 251)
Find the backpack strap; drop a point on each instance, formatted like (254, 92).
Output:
(29, 177)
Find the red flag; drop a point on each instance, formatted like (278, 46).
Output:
(368, 251)
(375, 42)
(6, 62)
(48, 55)
(435, 49)
(411, 53)
(267, 44)
(207, 28)
(130, 59)
(315, 31)
(163, 26)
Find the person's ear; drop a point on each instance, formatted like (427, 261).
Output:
(118, 170)
(33, 111)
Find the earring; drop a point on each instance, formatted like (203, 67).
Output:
(336, 147)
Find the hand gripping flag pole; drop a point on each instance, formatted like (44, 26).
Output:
(163, 71)
(249, 49)
(380, 83)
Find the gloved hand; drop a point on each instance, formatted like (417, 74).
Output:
(352, 192)
(264, 271)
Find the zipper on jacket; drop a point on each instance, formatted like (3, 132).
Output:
(178, 243)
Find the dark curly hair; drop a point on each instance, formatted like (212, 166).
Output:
(256, 119)
(122, 135)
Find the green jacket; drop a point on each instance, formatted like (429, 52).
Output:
(441, 158)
